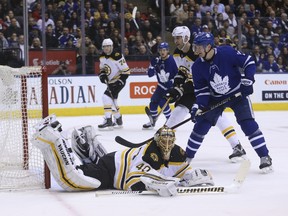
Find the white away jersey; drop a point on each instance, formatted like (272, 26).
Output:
(114, 65)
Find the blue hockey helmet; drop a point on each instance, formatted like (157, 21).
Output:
(204, 38)
(163, 45)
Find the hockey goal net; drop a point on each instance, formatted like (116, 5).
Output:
(21, 107)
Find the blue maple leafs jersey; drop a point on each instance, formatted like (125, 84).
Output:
(221, 77)
(167, 66)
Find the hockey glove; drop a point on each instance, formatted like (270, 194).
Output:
(195, 111)
(103, 77)
(116, 86)
(246, 86)
(179, 80)
(174, 94)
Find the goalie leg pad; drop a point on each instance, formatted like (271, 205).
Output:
(86, 145)
(164, 187)
(197, 177)
(60, 161)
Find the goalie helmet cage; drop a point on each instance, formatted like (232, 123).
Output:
(23, 103)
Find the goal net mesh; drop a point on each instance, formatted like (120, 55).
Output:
(21, 164)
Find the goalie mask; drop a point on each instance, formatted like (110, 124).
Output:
(165, 139)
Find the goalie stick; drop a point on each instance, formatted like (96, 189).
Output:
(126, 143)
(232, 188)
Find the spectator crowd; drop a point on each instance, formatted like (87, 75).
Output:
(257, 27)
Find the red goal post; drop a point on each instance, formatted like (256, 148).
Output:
(23, 103)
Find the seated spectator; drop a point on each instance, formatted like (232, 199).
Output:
(284, 22)
(114, 13)
(256, 25)
(265, 38)
(196, 28)
(252, 39)
(276, 45)
(51, 39)
(62, 69)
(36, 44)
(154, 48)
(47, 22)
(150, 40)
(74, 22)
(204, 7)
(270, 65)
(282, 64)
(9, 17)
(256, 55)
(65, 37)
(3, 41)
(240, 44)
(220, 7)
(13, 28)
(13, 41)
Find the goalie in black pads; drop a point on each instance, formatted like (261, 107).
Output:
(160, 165)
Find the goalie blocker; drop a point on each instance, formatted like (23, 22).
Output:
(159, 166)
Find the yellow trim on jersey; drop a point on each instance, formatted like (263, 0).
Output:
(61, 170)
(182, 171)
(125, 164)
(125, 71)
(132, 178)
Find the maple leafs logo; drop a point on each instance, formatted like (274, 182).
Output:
(220, 86)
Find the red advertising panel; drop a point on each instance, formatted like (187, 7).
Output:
(142, 89)
(53, 59)
(136, 67)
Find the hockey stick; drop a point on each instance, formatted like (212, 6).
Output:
(232, 188)
(153, 120)
(134, 17)
(126, 143)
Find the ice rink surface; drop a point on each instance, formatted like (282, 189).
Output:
(260, 195)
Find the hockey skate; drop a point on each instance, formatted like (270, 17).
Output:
(148, 126)
(118, 122)
(107, 124)
(238, 154)
(266, 164)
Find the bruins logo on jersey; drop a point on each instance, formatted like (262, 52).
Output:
(107, 69)
(154, 157)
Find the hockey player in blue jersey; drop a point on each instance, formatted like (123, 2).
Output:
(165, 69)
(217, 76)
